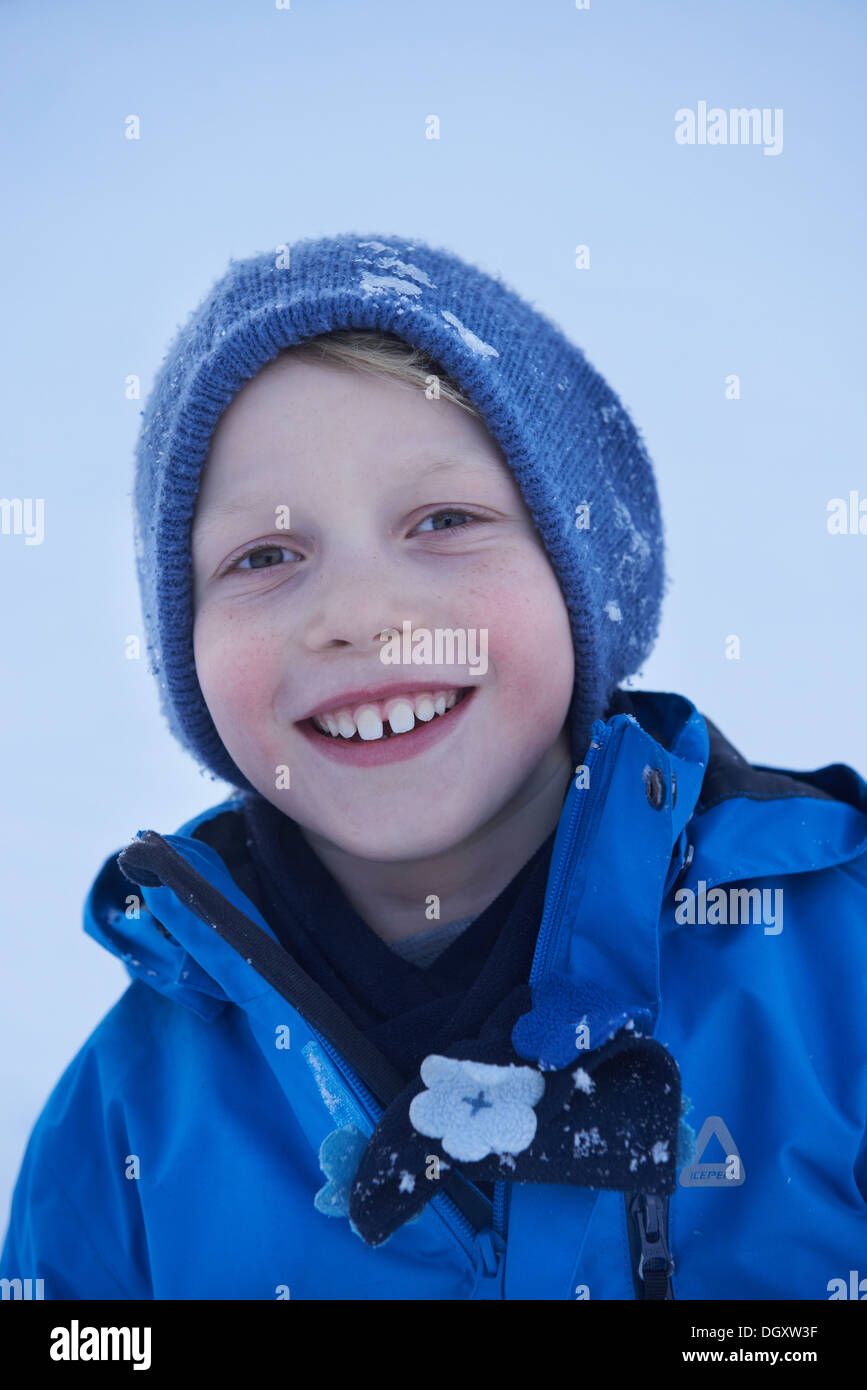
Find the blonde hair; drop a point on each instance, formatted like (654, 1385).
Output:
(371, 350)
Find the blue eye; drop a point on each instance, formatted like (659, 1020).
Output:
(455, 517)
(450, 512)
(259, 550)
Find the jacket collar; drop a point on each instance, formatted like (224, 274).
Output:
(787, 822)
(671, 719)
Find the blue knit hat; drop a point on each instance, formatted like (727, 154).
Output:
(579, 461)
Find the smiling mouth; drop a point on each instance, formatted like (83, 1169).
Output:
(371, 723)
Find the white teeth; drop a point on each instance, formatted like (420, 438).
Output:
(368, 723)
(400, 713)
(401, 717)
(345, 724)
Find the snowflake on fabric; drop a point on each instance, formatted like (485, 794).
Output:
(390, 275)
(588, 1142)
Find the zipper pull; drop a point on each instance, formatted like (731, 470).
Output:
(490, 1246)
(655, 1264)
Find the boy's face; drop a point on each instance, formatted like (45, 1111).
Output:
(365, 466)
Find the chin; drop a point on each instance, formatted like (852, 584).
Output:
(394, 845)
(406, 835)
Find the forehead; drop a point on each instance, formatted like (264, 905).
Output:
(292, 414)
(300, 397)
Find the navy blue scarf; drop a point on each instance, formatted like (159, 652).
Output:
(611, 1122)
(405, 1011)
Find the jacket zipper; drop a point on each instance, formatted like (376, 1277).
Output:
(499, 1218)
(550, 916)
(487, 1248)
(652, 1264)
(540, 957)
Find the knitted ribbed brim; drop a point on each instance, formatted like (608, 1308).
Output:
(565, 434)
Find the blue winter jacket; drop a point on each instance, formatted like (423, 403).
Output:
(178, 1155)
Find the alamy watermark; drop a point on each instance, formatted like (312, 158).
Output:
(847, 517)
(12, 519)
(26, 1289)
(730, 906)
(77, 1343)
(855, 1287)
(440, 646)
(738, 126)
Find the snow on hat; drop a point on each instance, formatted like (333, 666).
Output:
(578, 459)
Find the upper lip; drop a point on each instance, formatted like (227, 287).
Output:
(360, 694)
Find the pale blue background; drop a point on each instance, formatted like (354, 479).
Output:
(259, 126)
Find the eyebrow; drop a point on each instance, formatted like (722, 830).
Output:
(475, 462)
(254, 506)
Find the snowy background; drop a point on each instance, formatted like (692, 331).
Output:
(260, 125)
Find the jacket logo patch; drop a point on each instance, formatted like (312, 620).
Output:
(728, 1172)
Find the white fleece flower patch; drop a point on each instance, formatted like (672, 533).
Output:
(475, 1108)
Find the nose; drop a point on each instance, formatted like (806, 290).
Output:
(356, 604)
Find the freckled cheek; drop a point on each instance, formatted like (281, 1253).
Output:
(238, 670)
(530, 651)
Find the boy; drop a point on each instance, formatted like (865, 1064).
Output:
(413, 1012)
